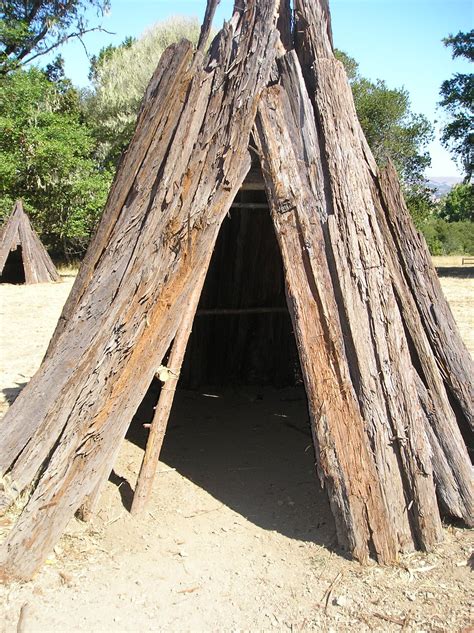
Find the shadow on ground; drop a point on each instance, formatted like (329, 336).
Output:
(11, 393)
(252, 450)
(460, 272)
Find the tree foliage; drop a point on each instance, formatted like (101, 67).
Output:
(120, 77)
(30, 28)
(458, 99)
(47, 159)
(458, 205)
(392, 130)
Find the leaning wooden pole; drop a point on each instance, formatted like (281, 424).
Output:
(146, 476)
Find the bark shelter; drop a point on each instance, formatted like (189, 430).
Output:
(23, 258)
(387, 443)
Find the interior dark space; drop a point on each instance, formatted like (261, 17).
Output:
(13, 271)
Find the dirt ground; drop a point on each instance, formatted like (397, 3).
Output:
(239, 535)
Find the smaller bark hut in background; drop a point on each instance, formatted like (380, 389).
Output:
(23, 258)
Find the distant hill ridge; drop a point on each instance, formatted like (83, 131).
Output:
(442, 185)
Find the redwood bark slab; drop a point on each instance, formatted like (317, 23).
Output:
(376, 345)
(147, 256)
(288, 143)
(455, 362)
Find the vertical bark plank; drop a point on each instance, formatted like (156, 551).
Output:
(451, 463)
(448, 348)
(347, 467)
(376, 345)
(156, 120)
(124, 319)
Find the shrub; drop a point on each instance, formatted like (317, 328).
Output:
(449, 238)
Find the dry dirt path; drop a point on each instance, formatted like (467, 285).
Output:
(238, 537)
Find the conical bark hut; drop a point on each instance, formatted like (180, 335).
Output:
(23, 258)
(384, 400)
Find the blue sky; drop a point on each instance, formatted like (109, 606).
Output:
(395, 40)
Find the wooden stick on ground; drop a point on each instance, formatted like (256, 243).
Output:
(151, 457)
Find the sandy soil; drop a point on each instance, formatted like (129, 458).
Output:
(239, 535)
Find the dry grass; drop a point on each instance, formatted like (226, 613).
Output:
(457, 282)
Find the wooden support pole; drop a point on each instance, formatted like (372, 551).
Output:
(249, 205)
(237, 311)
(147, 473)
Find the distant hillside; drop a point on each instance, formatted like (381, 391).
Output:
(441, 185)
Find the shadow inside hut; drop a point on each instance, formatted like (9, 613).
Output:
(252, 450)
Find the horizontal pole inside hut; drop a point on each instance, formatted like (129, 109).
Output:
(219, 311)
(249, 205)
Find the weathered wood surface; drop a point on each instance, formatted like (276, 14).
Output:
(288, 140)
(455, 362)
(144, 263)
(376, 345)
(450, 459)
(18, 231)
(146, 476)
(380, 414)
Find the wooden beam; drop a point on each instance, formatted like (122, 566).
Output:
(249, 205)
(232, 311)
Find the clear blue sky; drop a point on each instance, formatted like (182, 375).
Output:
(395, 40)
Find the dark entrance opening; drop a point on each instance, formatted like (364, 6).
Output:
(13, 271)
(239, 427)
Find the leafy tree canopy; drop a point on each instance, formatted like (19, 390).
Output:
(392, 130)
(30, 28)
(120, 76)
(47, 159)
(458, 99)
(458, 205)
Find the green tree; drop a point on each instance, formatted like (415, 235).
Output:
(392, 130)
(105, 54)
(47, 159)
(421, 204)
(458, 205)
(458, 99)
(120, 77)
(30, 28)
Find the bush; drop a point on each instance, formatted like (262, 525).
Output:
(47, 159)
(449, 238)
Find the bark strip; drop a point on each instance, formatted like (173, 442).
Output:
(347, 467)
(126, 308)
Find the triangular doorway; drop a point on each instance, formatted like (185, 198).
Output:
(239, 426)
